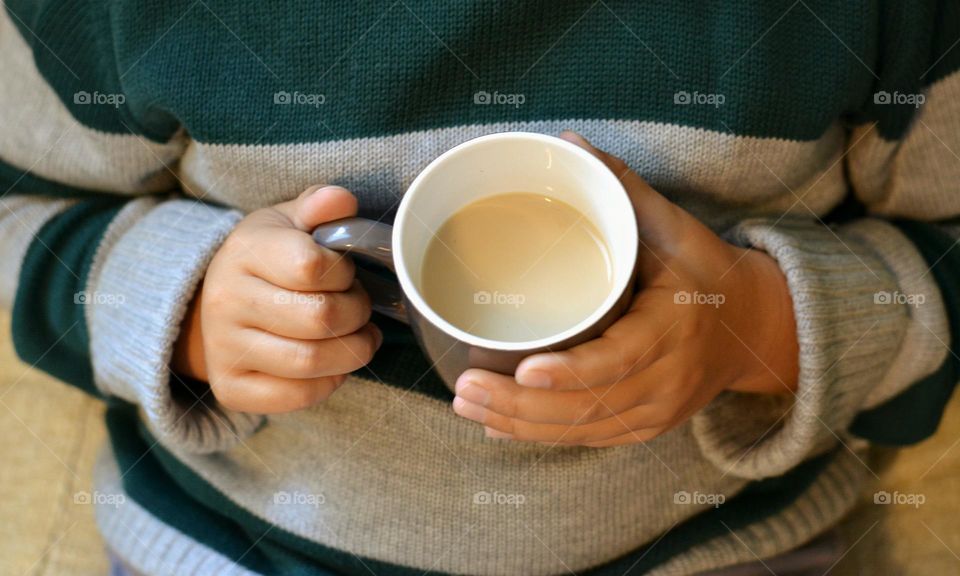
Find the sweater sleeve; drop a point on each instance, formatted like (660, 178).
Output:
(875, 299)
(102, 254)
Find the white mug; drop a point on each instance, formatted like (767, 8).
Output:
(486, 166)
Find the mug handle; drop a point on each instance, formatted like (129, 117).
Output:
(371, 241)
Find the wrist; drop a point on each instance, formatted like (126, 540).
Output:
(188, 354)
(768, 316)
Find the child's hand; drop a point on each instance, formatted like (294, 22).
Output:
(709, 317)
(281, 319)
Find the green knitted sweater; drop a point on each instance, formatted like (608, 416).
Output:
(136, 134)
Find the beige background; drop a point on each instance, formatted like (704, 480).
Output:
(50, 432)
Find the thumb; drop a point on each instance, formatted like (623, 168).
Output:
(317, 205)
(658, 220)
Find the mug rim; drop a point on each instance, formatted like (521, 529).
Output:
(412, 293)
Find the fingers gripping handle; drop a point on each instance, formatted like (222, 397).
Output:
(372, 241)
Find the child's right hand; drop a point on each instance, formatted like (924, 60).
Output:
(281, 321)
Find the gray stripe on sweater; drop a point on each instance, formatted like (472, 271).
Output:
(399, 477)
(916, 177)
(831, 496)
(394, 477)
(158, 549)
(145, 543)
(39, 133)
(21, 218)
(709, 172)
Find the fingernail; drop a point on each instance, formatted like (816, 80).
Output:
(568, 134)
(473, 393)
(534, 379)
(468, 410)
(491, 433)
(311, 190)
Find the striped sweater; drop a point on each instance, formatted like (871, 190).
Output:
(134, 134)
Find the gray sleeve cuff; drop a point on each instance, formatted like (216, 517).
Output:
(853, 319)
(148, 267)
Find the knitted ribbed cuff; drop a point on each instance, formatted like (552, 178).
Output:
(850, 326)
(143, 278)
(925, 344)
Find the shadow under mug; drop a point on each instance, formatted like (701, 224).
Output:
(486, 166)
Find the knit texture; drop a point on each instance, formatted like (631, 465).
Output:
(137, 311)
(137, 133)
(20, 221)
(845, 339)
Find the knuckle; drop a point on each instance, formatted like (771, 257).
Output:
(591, 409)
(624, 362)
(689, 377)
(226, 394)
(304, 357)
(307, 262)
(324, 314)
(586, 410)
(216, 295)
(234, 241)
(670, 412)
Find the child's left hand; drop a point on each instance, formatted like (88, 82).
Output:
(709, 317)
